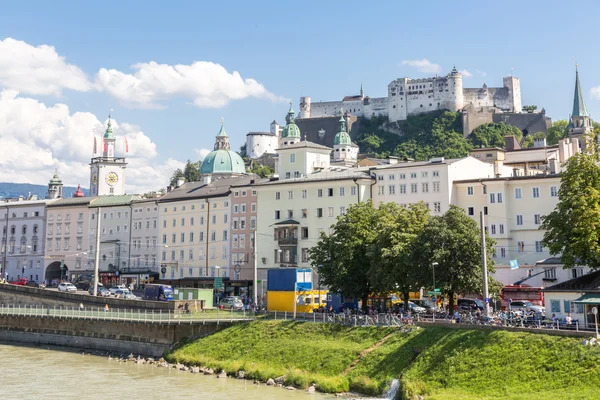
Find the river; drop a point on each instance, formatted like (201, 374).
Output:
(45, 373)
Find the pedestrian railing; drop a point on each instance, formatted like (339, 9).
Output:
(134, 315)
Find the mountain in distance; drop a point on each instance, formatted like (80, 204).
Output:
(14, 190)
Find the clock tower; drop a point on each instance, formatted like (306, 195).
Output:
(107, 171)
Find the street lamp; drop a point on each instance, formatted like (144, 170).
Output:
(435, 301)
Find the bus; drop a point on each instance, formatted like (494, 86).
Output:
(521, 292)
(158, 292)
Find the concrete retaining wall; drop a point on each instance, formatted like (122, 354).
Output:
(24, 295)
(131, 337)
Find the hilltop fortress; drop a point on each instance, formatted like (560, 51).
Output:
(408, 96)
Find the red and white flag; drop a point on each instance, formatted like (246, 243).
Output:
(126, 146)
(105, 147)
(95, 145)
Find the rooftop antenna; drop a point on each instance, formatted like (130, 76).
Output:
(512, 70)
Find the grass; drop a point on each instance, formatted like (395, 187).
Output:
(436, 362)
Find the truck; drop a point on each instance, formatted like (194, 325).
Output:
(158, 292)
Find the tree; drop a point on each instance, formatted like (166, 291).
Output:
(529, 109)
(559, 130)
(492, 135)
(573, 228)
(261, 170)
(453, 242)
(191, 173)
(394, 266)
(243, 152)
(343, 258)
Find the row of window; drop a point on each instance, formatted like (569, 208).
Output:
(112, 231)
(23, 247)
(137, 225)
(13, 230)
(222, 272)
(414, 188)
(518, 193)
(412, 175)
(190, 254)
(50, 230)
(25, 214)
(66, 244)
(191, 237)
(330, 192)
(243, 193)
(568, 307)
(320, 212)
(67, 217)
(139, 210)
(137, 243)
(290, 255)
(193, 206)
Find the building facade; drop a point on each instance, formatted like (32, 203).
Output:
(67, 239)
(144, 240)
(23, 239)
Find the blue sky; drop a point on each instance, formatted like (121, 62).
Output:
(322, 49)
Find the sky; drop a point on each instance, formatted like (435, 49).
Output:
(171, 70)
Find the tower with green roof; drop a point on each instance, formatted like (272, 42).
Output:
(343, 148)
(222, 161)
(580, 122)
(107, 172)
(291, 132)
(55, 187)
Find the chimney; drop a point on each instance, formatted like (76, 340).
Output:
(180, 182)
(392, 160)
(169, 189)
(515, 171)
(498, 165)
(553, 166)
(207, 179)
(539, 143)
(511, 143)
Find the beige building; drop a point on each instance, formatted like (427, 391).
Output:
(67, 238)
(513, 209)
(144, 239)
(194, 233)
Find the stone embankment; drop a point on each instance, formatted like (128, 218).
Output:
(159, 362)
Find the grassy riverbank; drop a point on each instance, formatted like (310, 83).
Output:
(435, 362)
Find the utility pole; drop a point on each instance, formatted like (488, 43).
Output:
(486, 294)
(255, 283)
(97, 260)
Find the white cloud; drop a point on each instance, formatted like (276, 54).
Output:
(206, 84)
(202, 153)
(37, 139)
(465, 73)
(423, 65)
(595, 92)
(38, 70)
(482, 73)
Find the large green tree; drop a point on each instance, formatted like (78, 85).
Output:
(573, 228)
(261, 170)
(394, 264)
(343, 258)
(191, 173)
(453, 242)
(558, 130)
(492, 134)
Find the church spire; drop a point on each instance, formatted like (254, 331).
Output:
(362, 92)
(222, 140)
(579, 109)
(108, 134)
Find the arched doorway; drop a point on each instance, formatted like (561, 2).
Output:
(56, 271)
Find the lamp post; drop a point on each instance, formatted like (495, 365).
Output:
(435, 298)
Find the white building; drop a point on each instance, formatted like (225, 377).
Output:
(259, 143)
(23, 234)
(144, 239)
(428, 181)
(408, 96)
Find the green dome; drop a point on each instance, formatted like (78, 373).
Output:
(291, 130)
(342, 138)
(223, 162)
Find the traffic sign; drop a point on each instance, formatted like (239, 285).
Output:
(594, 310)
(436, 290)
(218, 283)
(487, 300)
(432, 298)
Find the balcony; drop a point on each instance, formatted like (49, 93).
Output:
(287, 241)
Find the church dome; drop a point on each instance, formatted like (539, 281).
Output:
(342, 137)
(79, 192)
(222, 160)
(291, 130)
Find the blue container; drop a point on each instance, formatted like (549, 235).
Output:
(339, 302)
(284, 279)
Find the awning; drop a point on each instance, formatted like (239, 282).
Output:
(588, 299)
(288, 222)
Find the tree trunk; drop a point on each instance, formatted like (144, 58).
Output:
(365, 306)
(450, 303)
(405, 297)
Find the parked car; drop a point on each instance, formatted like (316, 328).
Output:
(19, 282)
(114, 289)
(102, 291)
(470, 304)
(232, 303)
(157, 292)
(413, 308)
(124, 294)
(428, 305)
(524, 305)
(32, 284)
(66, 287)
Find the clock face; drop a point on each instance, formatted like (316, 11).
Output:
(95, 179)
(112, 178)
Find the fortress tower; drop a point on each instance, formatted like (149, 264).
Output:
(455, 95)
(304, 107)
(513, 84)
